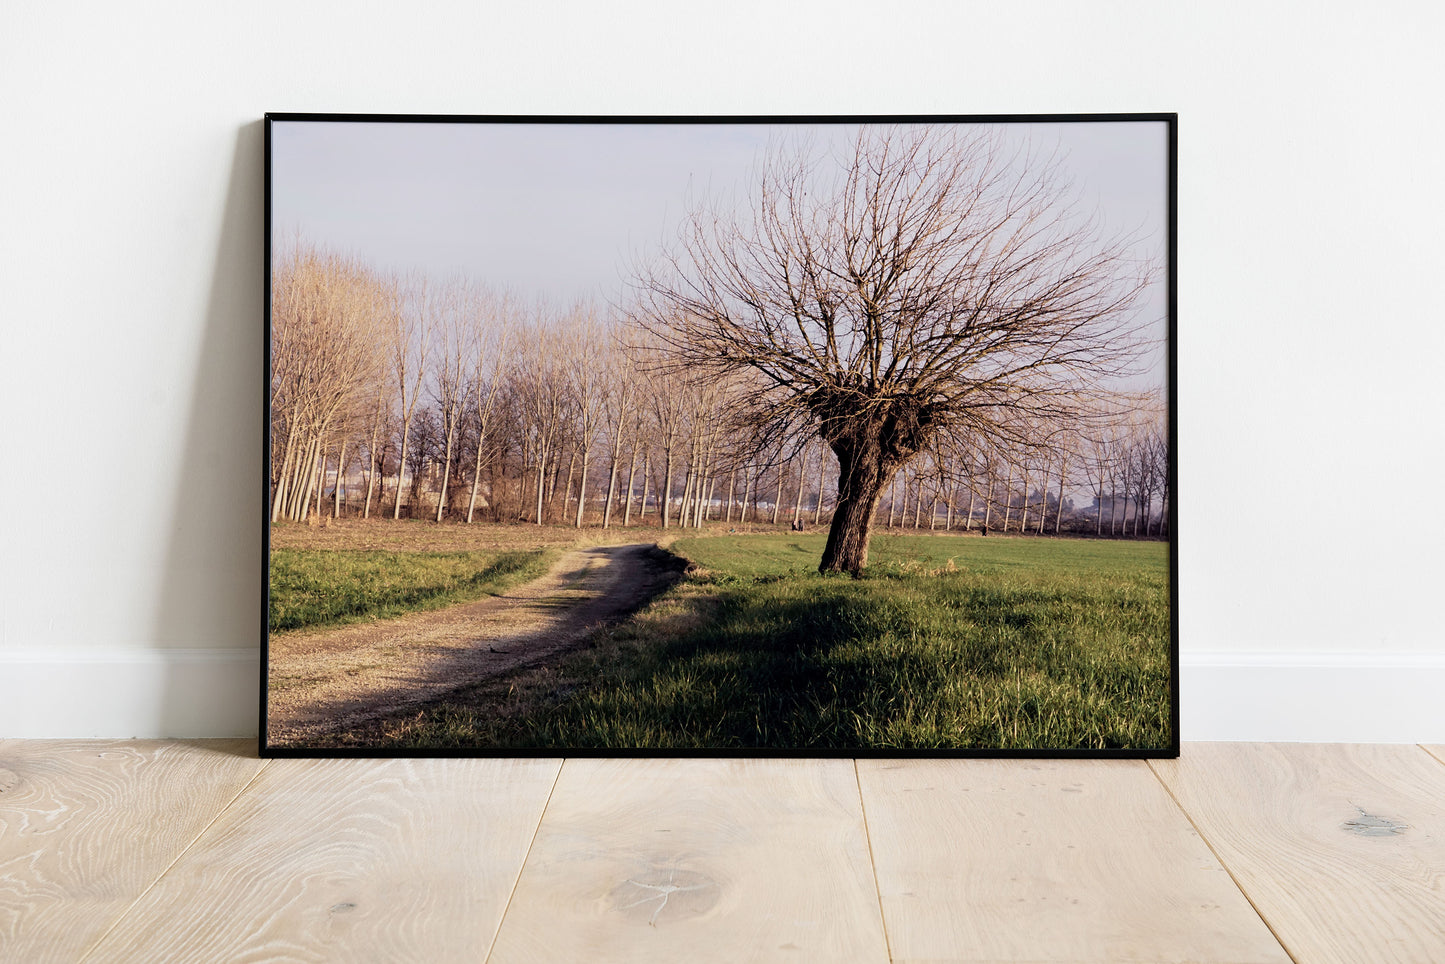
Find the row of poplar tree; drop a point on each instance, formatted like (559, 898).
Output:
(409, 397)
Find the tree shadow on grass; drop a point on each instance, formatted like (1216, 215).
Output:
(850, 667)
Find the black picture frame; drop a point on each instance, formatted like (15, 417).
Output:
(369, 252)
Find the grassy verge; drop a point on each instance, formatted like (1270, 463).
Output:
(327, 587)
(947, 643)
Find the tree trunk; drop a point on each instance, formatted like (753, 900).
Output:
(401, 468)
(706, 508)
(798, 498)
(631, 475)
(336, 493)
(581, 491)
(748, 480)
(612, 482)
(666, 494)
(1024, 521)
(822, 466)
(1059, 517)
(446, 477)
(541, 478)
(732, 490)
(371, 469)
(862, 477)
(1113, 500)
(778, 499)
(571, 474)
(1008, 495)
(684, 511)
(476, 478)
(646, 481)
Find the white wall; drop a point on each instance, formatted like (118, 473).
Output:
(1310, 333)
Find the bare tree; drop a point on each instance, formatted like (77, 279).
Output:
(456, 330)
(326, 311)
(410, 338)
(939, 287)
(589, 385)
(494, 322)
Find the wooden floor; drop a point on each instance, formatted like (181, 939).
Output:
(172, 851)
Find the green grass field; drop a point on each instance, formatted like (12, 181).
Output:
(329, 587)
(946, 643)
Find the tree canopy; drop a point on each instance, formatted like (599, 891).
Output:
(938, 286)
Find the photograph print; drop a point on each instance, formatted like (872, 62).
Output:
(701, 436)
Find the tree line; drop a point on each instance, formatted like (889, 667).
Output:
(406, 396)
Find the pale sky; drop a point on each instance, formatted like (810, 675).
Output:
(561, 210)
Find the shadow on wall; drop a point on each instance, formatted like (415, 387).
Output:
(208, 614)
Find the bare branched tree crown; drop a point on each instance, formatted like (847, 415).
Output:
(935, 288)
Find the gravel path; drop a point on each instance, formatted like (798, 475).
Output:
(328, 681)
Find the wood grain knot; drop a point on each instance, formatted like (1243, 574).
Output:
(9, 779)
(1371, 825)
(664, 893)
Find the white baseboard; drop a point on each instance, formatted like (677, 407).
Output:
(124, 693)
(197, 693)
(1301, 697)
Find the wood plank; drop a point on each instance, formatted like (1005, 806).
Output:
(698, 860)
(1438, 752)
(1069, 860)
(347, 860)
(86, 826)
(1341, 847)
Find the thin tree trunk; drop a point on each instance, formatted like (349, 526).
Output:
(278, 498)
(321, 483)
(1113, 501)
(748, 480)
(1043, 499)
(1008, 494)
(631, 475)
(476, 481)
(732, 490)
(446, 476)
(1024, 519)
(1059, 517)
(340, 466)
(798, 498)
(684, 510)
(706, 508)
(401, 468)
(778, 500)
(541, 477)
(371, 470)
(646, 480)
(571, 474)
(667, 492)
(822, 466)
(612, 481)
(581, 491)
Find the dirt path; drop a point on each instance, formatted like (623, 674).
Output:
(328, 681)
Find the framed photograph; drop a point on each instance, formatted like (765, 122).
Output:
(826, 436)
